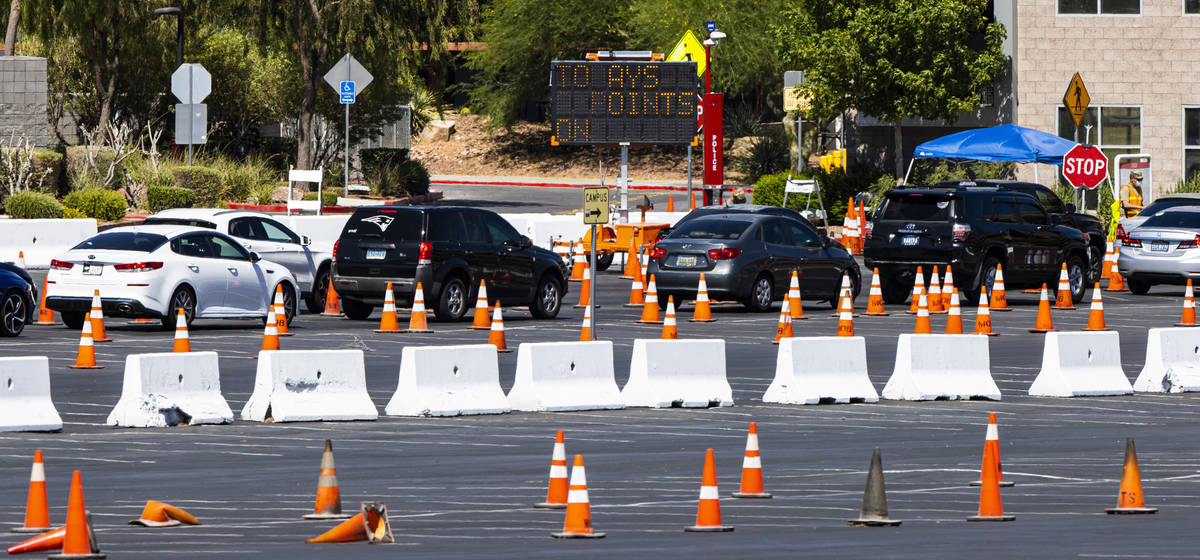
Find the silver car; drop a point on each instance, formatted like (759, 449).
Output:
(1165, 249)
(1160, 205)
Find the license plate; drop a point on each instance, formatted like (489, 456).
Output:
(910, 241)
(685, 260)
(93, 269)
(1161, 246)
(376, 254)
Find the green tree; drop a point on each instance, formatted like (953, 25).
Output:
(892, 58)
(523, 36)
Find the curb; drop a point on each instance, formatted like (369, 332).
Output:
(511, 183)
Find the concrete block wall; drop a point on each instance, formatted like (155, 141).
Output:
(23, 100)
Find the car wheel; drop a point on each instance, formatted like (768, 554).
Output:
(320, 287)
(73, 319)
(547, 299)
(181, 297)
(1095, 263)
(604, 261)
(1076, 278)
(356, 310)
(452, 302)
(761, 294)
(987, 275)
(895, 290)
(1138, 286)
(14, 312)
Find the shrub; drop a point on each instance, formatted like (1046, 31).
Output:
(102, 204)
(927, 174)
(77, 166)
(374, 158)
(742, 121)
(836, 189)
(50, 163)
(161, 198)
(30, 204)
(768, 154)
(328, 198)
(240, 178)
(204, 182)
(73, 214)
(405, 179)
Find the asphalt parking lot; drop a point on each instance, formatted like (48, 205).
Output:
(462, 487)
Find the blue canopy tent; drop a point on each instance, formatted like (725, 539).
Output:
(1007, 142)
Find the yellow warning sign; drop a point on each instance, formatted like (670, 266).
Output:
(689, 49)
(1076, 99)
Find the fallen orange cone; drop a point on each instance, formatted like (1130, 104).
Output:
(1130, 498)
(752, 477)
(370, 524)
(708, 512)
(159, 514)
(556, 493)
(49, 540)
(578, 523)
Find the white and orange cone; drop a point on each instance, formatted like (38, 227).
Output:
(496, 335)
(578, 524)
(483, 319)
(844, 290)
(1063, 297)
(1044, 322)
(45, 314)
(918, 289)
(21, 260)
(954, 318)
(632, 266)
(784, 329)
(585, 334)
(332, 306)
(702, 312)
(922, 325)
(999, 301)
(281, 324)
(556, 492)
(37, 509)
(752, 477)
(389, 323)
(417, 322)
(636, 293)
(793, 298)
(650, 308)
(983, 317)
(875, 298)
(1116, 282)
(947, 287)
(96, 318)
(1096, 314)
(270, 332)
(708, 512)
(845, 326)
(991, 441)
(329, 502)
(579, 264)
(585, 289)
(670, 329)
(1188, 318)
(86, 358)
(934, 297)
(182, 342)
(1110, 261)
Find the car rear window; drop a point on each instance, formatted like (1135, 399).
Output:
(1188, 220)
(917, 208)
(396, 225)
(711, 229)
(194, 222)
(1160, 205)
(124, 241)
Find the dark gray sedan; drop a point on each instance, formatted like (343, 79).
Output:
(749, 258)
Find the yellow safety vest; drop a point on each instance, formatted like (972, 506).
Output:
(1135, 198)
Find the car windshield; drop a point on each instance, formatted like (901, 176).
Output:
(1187, 220)
(917, 208)
(1158, 206)
(124, 241)
(711, 228)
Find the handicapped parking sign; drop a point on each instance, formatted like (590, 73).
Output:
(346, 91)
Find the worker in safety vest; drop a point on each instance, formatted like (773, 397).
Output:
(1131, 195)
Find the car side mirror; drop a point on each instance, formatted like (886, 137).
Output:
(1070, 208)
(254, 257)
(305, 241)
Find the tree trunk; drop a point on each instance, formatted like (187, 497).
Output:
(10, 37)
(898, 137)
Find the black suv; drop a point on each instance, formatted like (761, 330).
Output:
(1067, 214)
(973, 229)
(449, 250)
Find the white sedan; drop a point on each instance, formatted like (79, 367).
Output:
(150, 271)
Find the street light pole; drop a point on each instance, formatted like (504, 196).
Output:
(178, 13)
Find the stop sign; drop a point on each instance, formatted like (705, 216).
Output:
(1085, 166)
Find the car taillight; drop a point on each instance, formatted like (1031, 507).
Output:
(56, 264)
(1120, 233)
(656, 252)
(138, 267)
(1190, 243)
(961, 231)
(868, 228)
(335, 244)
(723, 254)
(425, 254)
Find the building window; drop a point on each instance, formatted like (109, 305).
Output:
(1191, 142)
(1115, 130)
(1093, 7)
(1191, 6)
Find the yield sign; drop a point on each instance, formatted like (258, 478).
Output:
(688, 49)
(1076, 99)
(1085, 166)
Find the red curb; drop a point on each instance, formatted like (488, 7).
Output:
(573, 185)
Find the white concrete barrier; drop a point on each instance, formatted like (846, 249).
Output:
(1172, 361)
(169, 389)
(553, 376)
(1078, 364)
(448, 381)
(25, 404)
(41, 240)
(310, 385)
(666, 373)
(941, 366)
(811, 369)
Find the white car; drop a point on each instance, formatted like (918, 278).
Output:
(150, 271)
(262, 234)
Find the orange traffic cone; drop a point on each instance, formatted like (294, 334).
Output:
(934, 297)
(79, 541)
(578, 264)
(1096, 315)
(708, 514)
(844, 290)
(702, 312)
(784, 330)
(578, 523)
(159, 514)
(918, 289)
(670, 203)
(556, 494)
(692, 204)
(370, 524)
(650, 307)
(96, 318)
(637, 293)
(1189, 307)
(585, 334)
(670, 331)
(182, 342)
(845, 326)
(947, 287)
(496, 335)
(990, 506)
(1130, 499)
(1062, 299)
(1045, 323)
(483, 320)
(1116, 282)
(49, 540)
(281, 324)
(999, 300)
(992, 441)
(983, 317)
(954, 319)
(417, 322)
(1110, 261)
(585, 289)
(875, 299)
(329, 500)
(922, 325)
(37, 509)
(270, 332)
(752, 478)
(21, 260)
(793, 298)
(332, 307)
(632, 265)
(86, 358)
(389, 323)
(45, 314)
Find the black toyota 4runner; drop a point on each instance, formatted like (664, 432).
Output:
(971, 229)
(448, 249)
